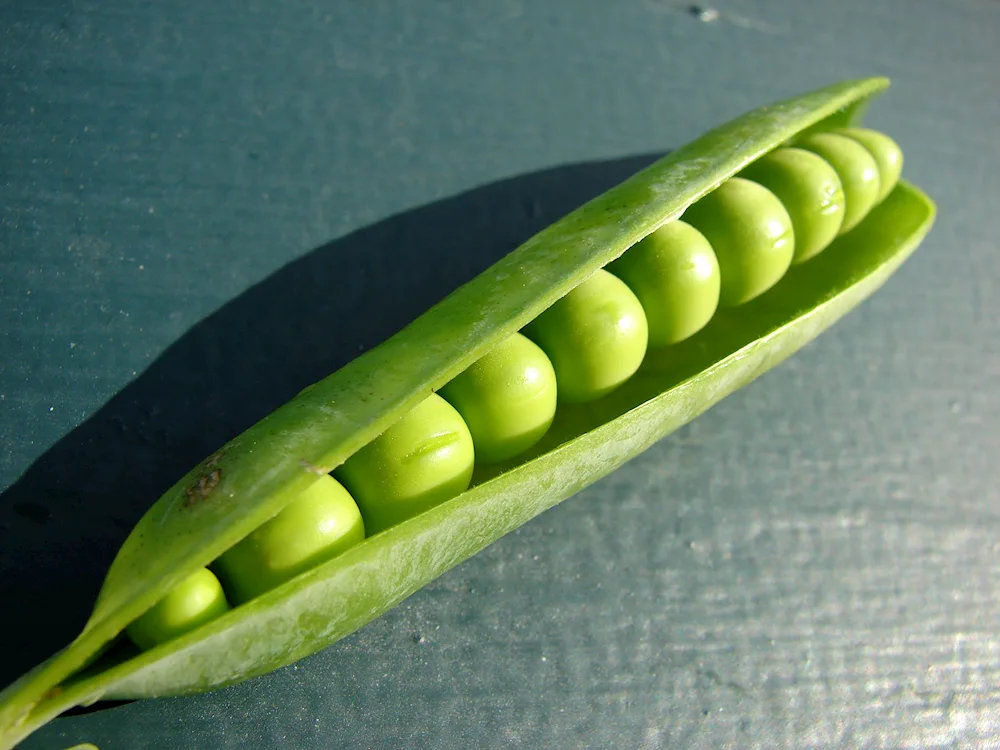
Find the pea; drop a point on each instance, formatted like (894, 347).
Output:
(596, 337)
(675, 275)
(857, 170)
(507, 398)
(811, 192)
(886, 152)
(315, 527)
(198, 599)
(751, 233)
(423, 459)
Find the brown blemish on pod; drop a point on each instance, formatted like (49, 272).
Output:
(205, 484)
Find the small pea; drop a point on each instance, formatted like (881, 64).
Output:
(857, 171)
(811, 192)
(596, 336)
(751, 234)
(675, 274)
(197, 599)
(315, 527)
(886, 152)
(422, 460)
(507, 398)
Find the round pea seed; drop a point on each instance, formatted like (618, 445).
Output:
(857, 171)
(811, 192)
(596, 337)
(318, 525)
(507, 398)
(751, 234)
(422, 460)
(197, 599)
(675, 275)
(886, 152)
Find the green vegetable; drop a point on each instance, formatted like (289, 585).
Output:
(675, 275)
(319, 524)
(751, 233)
(809, 189)
(423, 459)
(856, 168)
(887, 153)
(252, 478)
(507, 398)
(596, 337)
(197, 599)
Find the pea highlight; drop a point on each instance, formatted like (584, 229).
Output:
(857, 171)
(675, 275)
(197, 599)
(318, 525)
(886, 152)
(751, 233)
(811, 192)
(423, 459)
(507, 398)
(596, 336)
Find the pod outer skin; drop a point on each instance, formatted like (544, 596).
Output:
(270, 463)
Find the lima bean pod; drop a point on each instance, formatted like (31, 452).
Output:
(247, 482)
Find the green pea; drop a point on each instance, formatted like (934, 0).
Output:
(422, 460)
(886, 152)
(197, 599)
(857, 170)
(596, 336)
(507, 398)
(751, 234)
(315, 527)
(675, 275)
(811, 192)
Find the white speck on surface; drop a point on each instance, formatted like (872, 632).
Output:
(705, 15)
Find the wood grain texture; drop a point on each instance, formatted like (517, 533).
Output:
(811, 564)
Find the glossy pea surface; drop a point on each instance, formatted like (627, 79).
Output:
(507, 398)
(857, 171)
(198, 599)
(751, 234)
(886, 152)
(423, 459)
(595, 336)
(317, 526)
(675, 275)
(810, 191)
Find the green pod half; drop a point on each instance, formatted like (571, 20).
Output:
(255, 475)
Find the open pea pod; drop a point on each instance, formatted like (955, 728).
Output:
(255, 475)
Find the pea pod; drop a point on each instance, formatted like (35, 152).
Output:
(253, 477)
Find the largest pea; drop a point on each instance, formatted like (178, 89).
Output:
(751, 234)
(423, 459)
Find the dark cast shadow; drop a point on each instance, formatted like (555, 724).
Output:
(63, 520)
